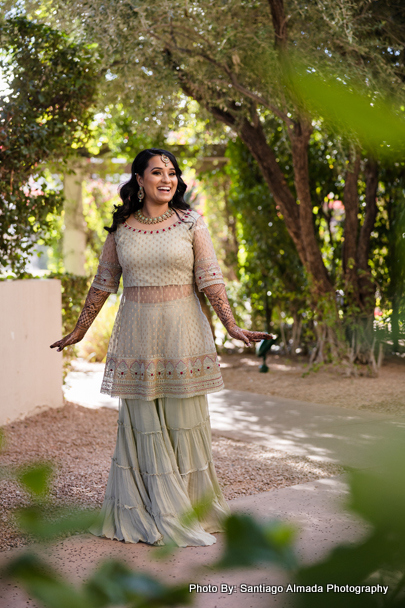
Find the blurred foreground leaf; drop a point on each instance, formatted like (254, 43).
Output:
(199, 511)
(33, 520)
(44, 584)
(249, 543)
(36, 479)
(345, 565)
(378, 495)
(376, 123)
(112, 584)
(115, 584)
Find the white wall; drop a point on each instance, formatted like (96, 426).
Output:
(30, 371)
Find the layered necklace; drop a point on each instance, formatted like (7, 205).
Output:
(153, 220)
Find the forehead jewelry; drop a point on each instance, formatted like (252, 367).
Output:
(165, 159)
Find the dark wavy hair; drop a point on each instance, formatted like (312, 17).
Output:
(129, 190)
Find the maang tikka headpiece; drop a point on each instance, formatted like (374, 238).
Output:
(165, 159)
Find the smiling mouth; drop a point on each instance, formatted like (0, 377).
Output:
(164, 189)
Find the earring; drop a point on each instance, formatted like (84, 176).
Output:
(141, 194)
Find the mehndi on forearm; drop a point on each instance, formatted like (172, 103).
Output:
(220, 303)
(92, 306)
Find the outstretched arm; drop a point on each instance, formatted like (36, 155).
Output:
(220, 303)
(92, 306)
(209, 279)
(105, 282)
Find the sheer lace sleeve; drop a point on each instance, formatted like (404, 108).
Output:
(109, 269)
(206, 267)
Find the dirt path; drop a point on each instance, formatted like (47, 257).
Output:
(286, 378)
(79, 442)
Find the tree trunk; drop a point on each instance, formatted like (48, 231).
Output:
(254, 138)
(296, 207)
(299, 137)
(359, 286)
(298, 217)
(351, 204)
(268, 309)
(395, 324)
(365, 280)
(296, 332)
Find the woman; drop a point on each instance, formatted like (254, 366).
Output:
(161, 360)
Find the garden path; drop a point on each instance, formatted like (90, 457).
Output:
(314, 430)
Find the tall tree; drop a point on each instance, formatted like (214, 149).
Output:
(51, 86)
(230, 57)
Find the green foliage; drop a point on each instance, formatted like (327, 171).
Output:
(111, 584)
(44, 113)
(378, 496)
(249, 544)
(41, 581)
(52, 524)
(114, 584)
(224, 54)
(376, 123)
(270, 270)
(231, 59)
(378, 557)
(389, 251)
(199, 510)
(36, 479)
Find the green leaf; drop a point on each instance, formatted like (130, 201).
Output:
(36, 479)
(249, 543)
(33, 520)
(115, 584)
(44, 584)
(345, 565)
(375, 122)
(378, 494)
(198, 511)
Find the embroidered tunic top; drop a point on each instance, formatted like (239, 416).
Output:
(161, 343)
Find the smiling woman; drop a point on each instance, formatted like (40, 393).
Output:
(156, 187)
(161, 360)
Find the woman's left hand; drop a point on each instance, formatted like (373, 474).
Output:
(248, 336)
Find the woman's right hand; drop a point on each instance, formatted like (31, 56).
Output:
(75, 336)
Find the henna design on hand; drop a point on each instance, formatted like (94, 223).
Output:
(92, 306)
(220, 303)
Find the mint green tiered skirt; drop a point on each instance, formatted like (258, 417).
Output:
(162, 467)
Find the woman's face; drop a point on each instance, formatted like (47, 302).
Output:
(159, 181)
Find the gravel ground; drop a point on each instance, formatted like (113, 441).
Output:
(79, 442)
(289, 378)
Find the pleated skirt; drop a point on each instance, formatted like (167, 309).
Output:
(162, 467)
